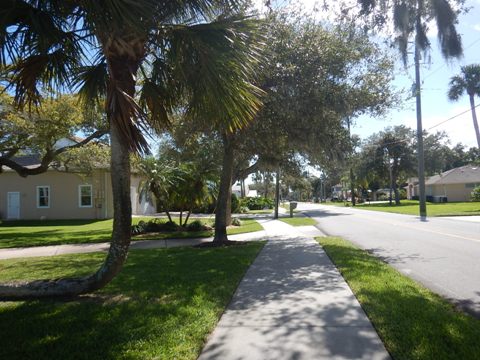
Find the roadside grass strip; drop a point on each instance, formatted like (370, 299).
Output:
(412, 321)
(163, 305)
(24, 233)
(410, 207)
(298, 221)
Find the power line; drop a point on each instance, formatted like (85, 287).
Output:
(430, 128)
(451, 118)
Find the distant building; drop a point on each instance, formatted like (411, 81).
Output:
(452, 185)
(237, 190)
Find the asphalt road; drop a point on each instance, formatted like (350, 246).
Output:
(441, 253)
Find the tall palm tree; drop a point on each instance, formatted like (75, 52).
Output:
(468, 81)
(143, 57)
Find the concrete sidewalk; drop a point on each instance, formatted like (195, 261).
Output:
(138, 244)
(293, 304)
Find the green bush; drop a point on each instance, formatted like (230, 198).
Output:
(169, 226)
(235, 204)
(476, 194)
(236, 222)
(195, 225)
(256, 203)
(243, 209)
(154, 225)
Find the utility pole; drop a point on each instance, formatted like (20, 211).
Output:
(421, 164)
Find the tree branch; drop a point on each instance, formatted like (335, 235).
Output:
(47, 159)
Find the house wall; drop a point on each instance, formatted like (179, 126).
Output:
(64, 195)
(453, 192)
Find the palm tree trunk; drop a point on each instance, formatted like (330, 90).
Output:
(223, 212)
(169, 216)
(475, 122)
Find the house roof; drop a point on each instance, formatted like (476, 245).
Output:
(28, 161)
(461, 175)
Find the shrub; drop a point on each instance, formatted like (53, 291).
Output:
(137, 229)
(256, 203)
(170, 226)
(154, 225)
(236, 222)
(243, 209)
(476, 194)
(235, 203)
(196, 225)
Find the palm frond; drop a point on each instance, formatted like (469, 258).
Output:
(40, 48)
(217, 63)
(456, 88)
(130, 119)
(91, 82)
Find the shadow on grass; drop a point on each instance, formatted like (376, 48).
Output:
(413, 322)
(11, 239)
(40, 223)
(162, 305)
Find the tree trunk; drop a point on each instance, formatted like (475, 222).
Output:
(188, 216)
(267, 183)
(169, 216)
(397, 193)
(475, 122)
(352, 186)
(122, 71)
(277, 193)
(223, 212)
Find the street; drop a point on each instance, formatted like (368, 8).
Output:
(441, 253)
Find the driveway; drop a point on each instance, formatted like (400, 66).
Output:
(441, 253)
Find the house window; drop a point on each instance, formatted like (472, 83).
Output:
(85, 196)
(471, 186)
(43, 196)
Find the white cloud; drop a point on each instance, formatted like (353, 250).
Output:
(476, 27)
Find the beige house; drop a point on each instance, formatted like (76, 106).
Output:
(454, 185)
(63, 195)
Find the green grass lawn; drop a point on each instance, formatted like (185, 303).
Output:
(56, 232)
(410, 207)
(413, 322)
(163, 305)
(264, 211)
(298, 221)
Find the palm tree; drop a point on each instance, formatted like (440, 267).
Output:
(468, 81)
(143, 57)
